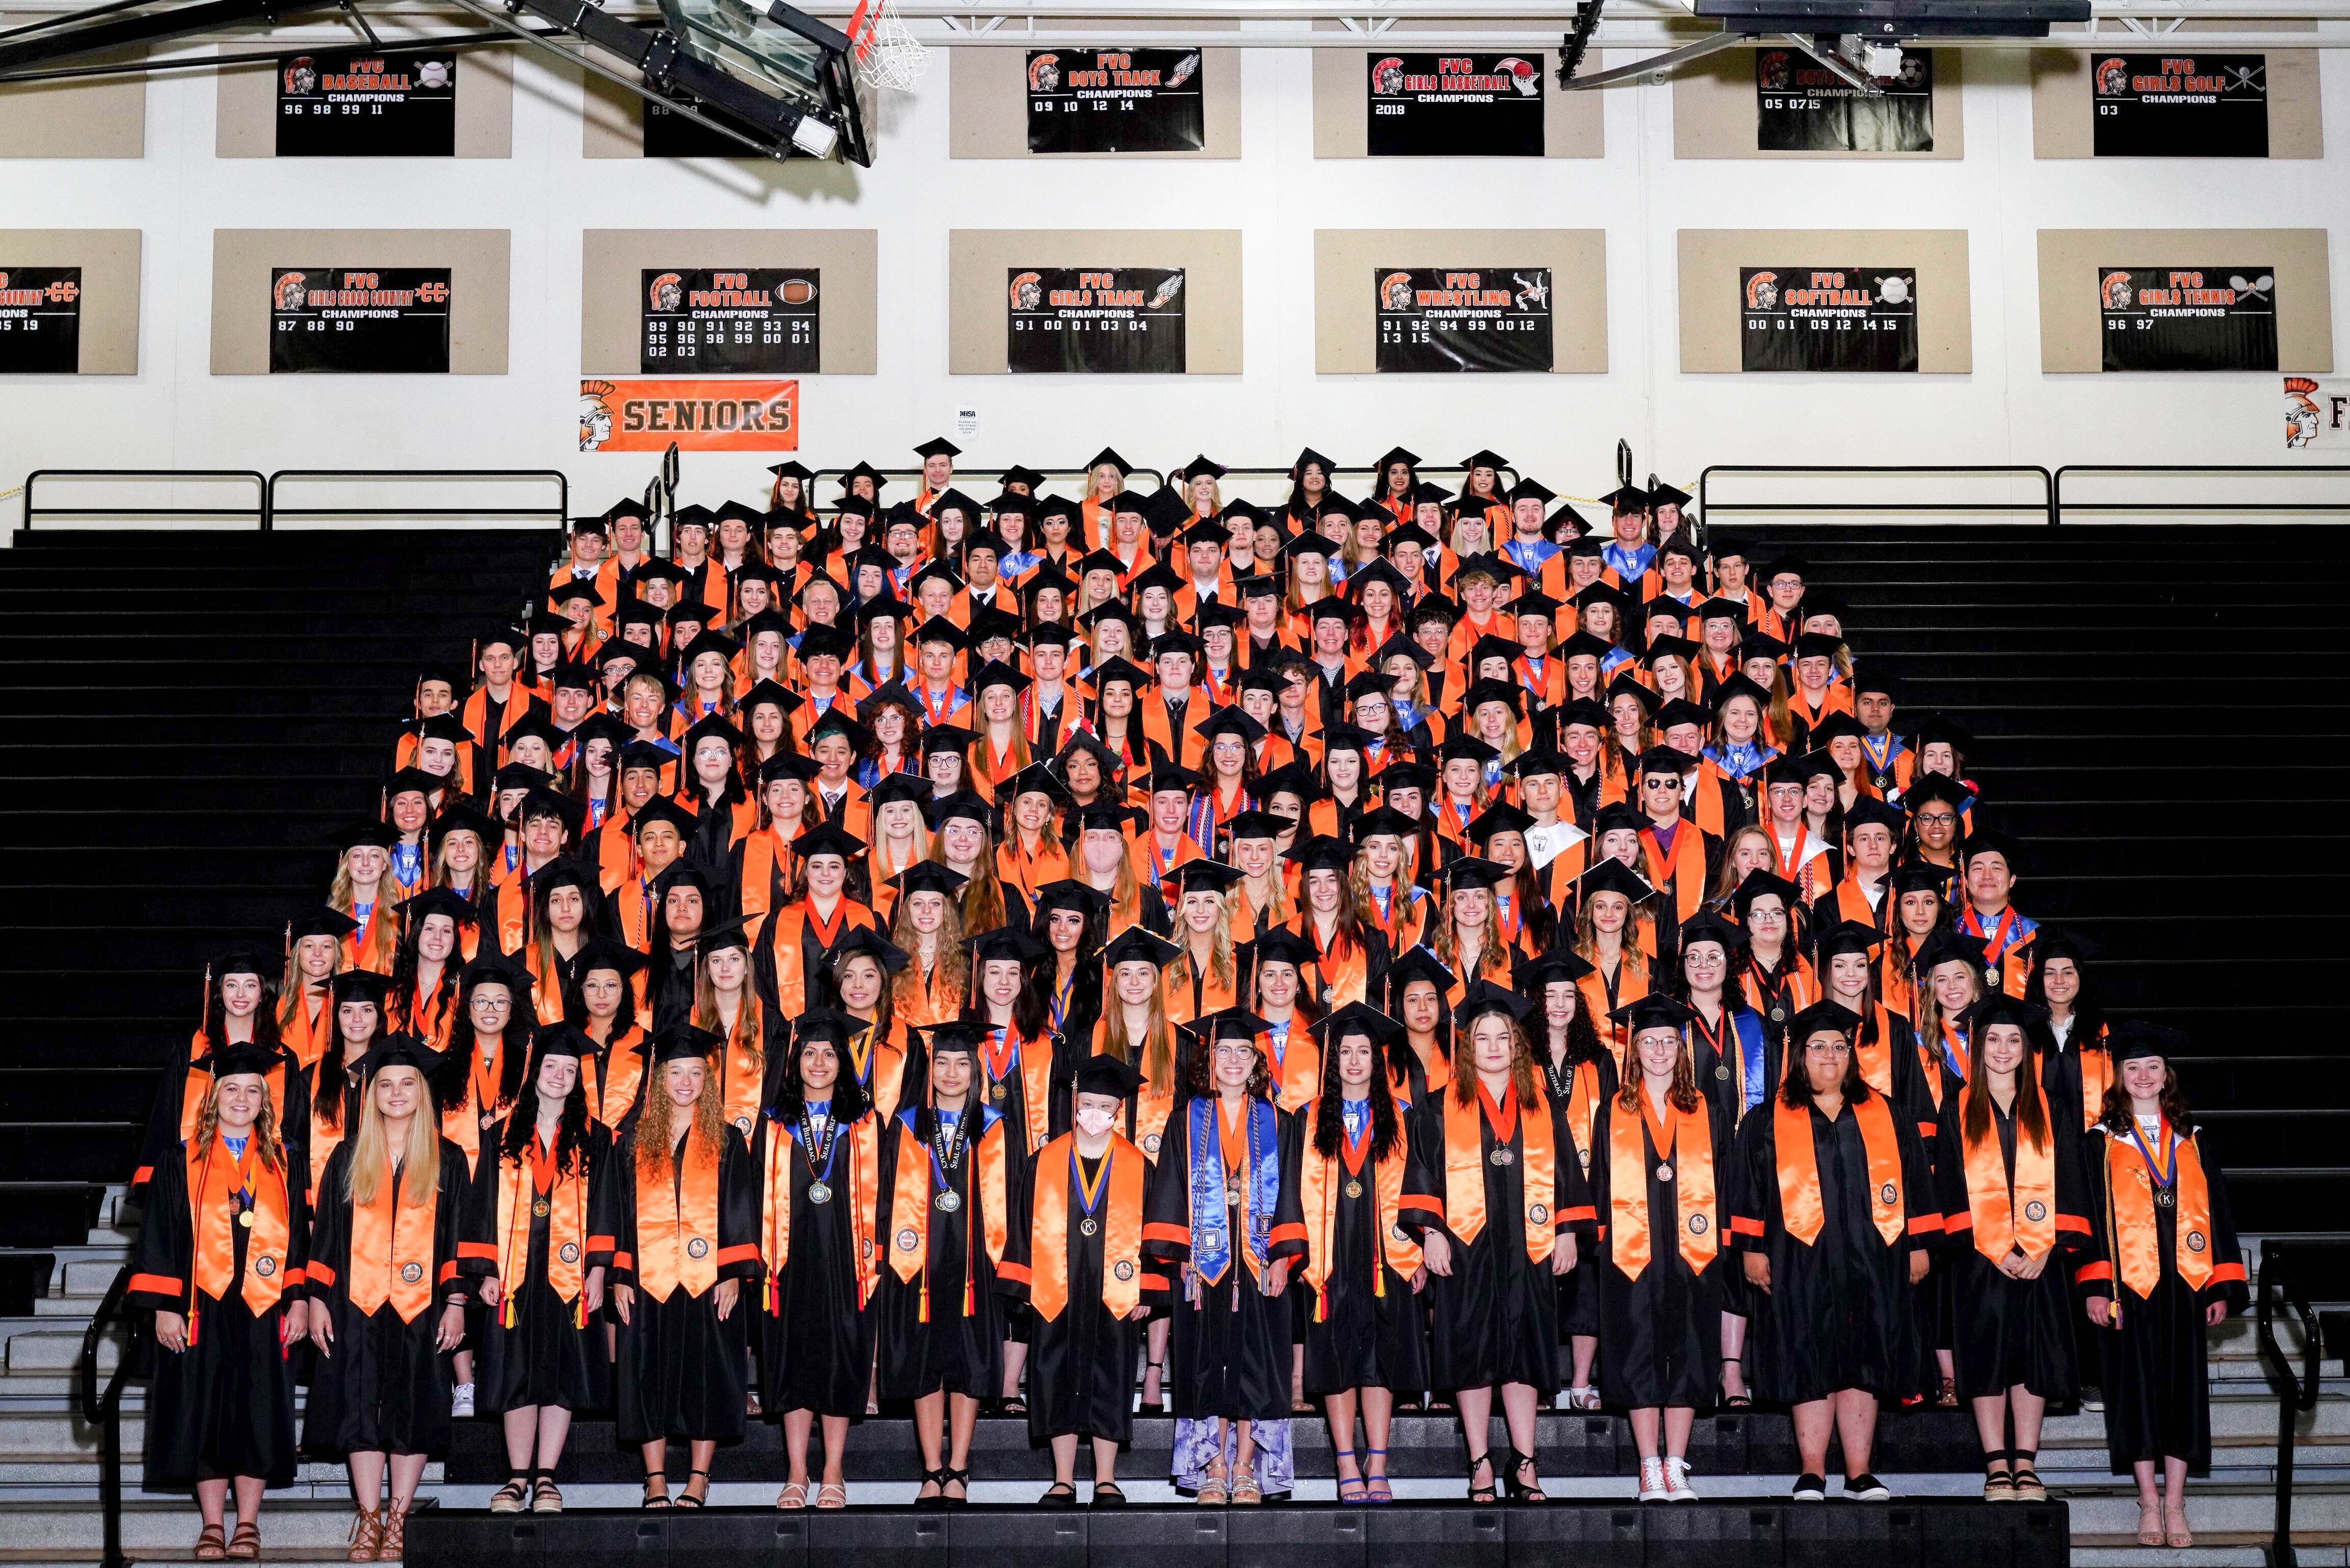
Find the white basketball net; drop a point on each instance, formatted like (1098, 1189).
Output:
(887, 56)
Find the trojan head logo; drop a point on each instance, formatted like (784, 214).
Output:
(1763, 291)
(595, 414)
(2117, 290)
(1776, 73)
(290, 291)
(301, 77)
(2300, 414)
(1386, 77)
(1045, 74)
(1028, 292)
(1522, 74)
(667, 294)
(1395, 291)
(2112, 79)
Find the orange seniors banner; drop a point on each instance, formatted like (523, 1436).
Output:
(731, 413)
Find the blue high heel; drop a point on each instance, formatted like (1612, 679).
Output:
(1361, 1492)
(1383, 1493)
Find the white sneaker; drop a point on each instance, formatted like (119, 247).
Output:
(461, 1404)
(1677, 1486)
(1653, 1486)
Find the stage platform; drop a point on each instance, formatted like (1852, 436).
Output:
(1909, 1532)
(881, 1449)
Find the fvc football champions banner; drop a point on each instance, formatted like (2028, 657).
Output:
(732, 414)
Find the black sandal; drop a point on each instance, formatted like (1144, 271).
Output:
(1106, 1495)
(1015, 1405)
(687, 1498)
(950, 1477)
(1737, 1401)
(513, 1497)
(2029, 1487)
(659, 1478)
(1485, 1458)
(1061, 1494)
(1522, 1491)
(937, 1502)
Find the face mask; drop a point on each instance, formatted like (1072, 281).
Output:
(1094, 1123)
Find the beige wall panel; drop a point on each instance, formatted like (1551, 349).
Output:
(1345, 313)
(108, 259)
(611, 296)
(977, 260)
(106, 118)
(1713, 112)
(1709, 260)
(246, 123)
(2070, 324)
(479, 261)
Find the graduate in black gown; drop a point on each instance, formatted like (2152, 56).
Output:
(1514, 1199)
(2014, 1210)
(1738, 1068)
(1222, 1210)
(681, 1215)
(943, 1206)
(385, 1302)
(2167, 1269)
(224, 1239)
(1358, 1177)
(1578, 1071)
(817, 1153)
(1832, 1207)
(529, 1237)
(1660, 1152)
(1074, 1256)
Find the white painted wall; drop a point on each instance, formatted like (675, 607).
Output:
(173, 414)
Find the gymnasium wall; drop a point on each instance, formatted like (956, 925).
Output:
(1994, 402)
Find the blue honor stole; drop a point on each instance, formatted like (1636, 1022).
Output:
(1213, 1207)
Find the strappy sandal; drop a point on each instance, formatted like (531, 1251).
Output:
(395, 1536)
(544, 1497)
(212, 1543)
(510, 1497)
(1737, 1401)
(367, 1536)
(1246, 1493)
(1362, 1489)
(1107, 1495)
(937, 1502)
(1377, 1490)
(1014, 1404)
(655, 1498)
(1583, 1397)
(1947, 1398)
(1159, 1367)
(832, 1494)
(952, 1477)
(1214, 1490)
(1998, 1478)
(794, 1496)
(688, 1498)
(244, 1546)
(2029, 1487)
(2175, 1532)
(1522, 1491)
(2149, 1524)
(1489, 1493)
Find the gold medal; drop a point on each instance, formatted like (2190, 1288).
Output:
(1504, 1157)
(2163, 1199)
(1354, 1188)
(996, 1094)
(948, 1202)
(1088, 1226)
(1664, 1171)
(245, 1217)
(538, 1209)
(820, 1193)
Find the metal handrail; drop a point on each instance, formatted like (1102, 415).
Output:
(34, 510)
(2183, 469)
(103, 1409)
(2281, 1265)
(2046, 507)
(559, 513)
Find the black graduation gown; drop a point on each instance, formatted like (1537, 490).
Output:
(1495, 1318)
(383, 1386)
(2156, 1361)
(1081, 1364)
(955, 1349)
(816, 1348)
(225, 1406)
(1229, 1347)
(1578, 1295)
(2006, 1332)
(679, 1369)
(547, 1357)
(1660, 1334)
(1365, 1339)
(1840, 1313)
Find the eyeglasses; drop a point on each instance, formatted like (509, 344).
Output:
(1236, 1048)
(1938, 818)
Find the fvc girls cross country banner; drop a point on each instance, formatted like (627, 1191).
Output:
(359, 320)
(2188, 318)
(2181, 106)
(1455, 106)
(1125, 320)
(40, 319)
(757, 320)
(1116, 100)
(1828, 319)
(1463, 318)
(366, 105)
(696, 415)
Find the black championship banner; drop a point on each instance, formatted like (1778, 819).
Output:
(366, 105)
(2188, 318)
(1453, 318)
(1118, 320)
(1801, 106)
(754, 322)
(1455, 106)
(1826, 318)
(367, 320)
(2181, 106)
(40, 318)
(1116, 100)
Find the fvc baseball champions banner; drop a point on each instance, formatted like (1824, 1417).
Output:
(698, 415)
(366, 105)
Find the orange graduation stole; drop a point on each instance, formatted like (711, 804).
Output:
(2135, 1237)
(213, 1175)
(909, 1208)
(1464, 1161)
(1048, 1235)
(677, 1225)
(1685, 1145)
(2026, 1219)
(1684, 869)
(525, 1185)
(1799, 1168)
(856, 1157)
(392, 1247)
(2096, 1077)
(1318, 1188)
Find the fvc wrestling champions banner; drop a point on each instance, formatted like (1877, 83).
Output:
(1459, 318)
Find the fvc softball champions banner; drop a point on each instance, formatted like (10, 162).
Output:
(2181, 106)
(1463, 318)
(1455, 106)
(732, 414)
(2189, 317)
(1116, 100)
(1828, 319)
(1122, 320)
